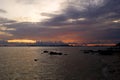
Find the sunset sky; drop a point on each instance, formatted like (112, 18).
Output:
(60, 20)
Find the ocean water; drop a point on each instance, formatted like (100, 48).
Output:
(18, 63)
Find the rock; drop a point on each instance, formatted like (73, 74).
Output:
(35, 59)
(55, 53)
(45, 51)
(118, 44)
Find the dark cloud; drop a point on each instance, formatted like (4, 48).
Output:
(39, 32)
(4, 30)
(91, 22)
(107, 34)
(2, 11)
(5, 21)
(98, 23)
(112, 34)
(110, 9)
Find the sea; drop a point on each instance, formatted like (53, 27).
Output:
(30, 63)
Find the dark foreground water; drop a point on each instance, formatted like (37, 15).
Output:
(17, 63)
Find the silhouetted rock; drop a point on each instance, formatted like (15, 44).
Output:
(35, 59)
(55, 53)
(45, 51)
(118, 44)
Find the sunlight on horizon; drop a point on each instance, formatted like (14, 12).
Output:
(21, 41)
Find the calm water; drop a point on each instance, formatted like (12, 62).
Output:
(17, 63)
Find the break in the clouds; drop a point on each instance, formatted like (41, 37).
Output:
(65, 20)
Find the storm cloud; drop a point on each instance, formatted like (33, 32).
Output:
(77, 20)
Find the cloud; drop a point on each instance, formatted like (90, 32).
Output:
(6, 21)
(4, 28)
(77, 20)
(2, 11)
(5, 35)
(39, 32)
(107, 34)
(75, 10)
(98, 19)
(95, 11)
(26, 1)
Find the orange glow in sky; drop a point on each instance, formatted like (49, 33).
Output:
(68, 40)
(21, 41)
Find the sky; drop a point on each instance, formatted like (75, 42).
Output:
(60, 20)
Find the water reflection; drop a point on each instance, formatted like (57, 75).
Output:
(19, 64)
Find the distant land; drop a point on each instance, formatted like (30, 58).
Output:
(5, 43)
(38, 43)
